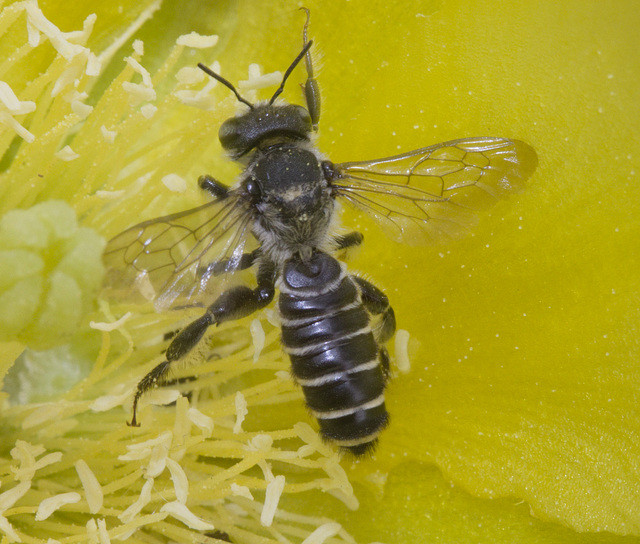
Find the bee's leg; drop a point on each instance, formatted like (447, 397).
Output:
(376, 303)
(213, 186)
(348, 240)
(311, 88)
(247, 260)
(236, 303)
(384, 361)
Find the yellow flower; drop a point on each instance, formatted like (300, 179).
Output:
(523, 384)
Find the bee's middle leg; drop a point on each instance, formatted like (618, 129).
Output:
(347, 241)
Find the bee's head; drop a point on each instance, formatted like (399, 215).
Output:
(265, 120)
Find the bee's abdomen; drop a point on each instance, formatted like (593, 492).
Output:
(334, 355)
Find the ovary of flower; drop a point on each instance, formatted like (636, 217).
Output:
(7, 500)
(78, 106)
(188, 75)
(259, 81)
(241, 491)
(322, 533)
(107, 402)
(156, 449)
(157, 461)
(144, 449)
(92, 531)
(175, 183)
(69, 45)
(197, 41)
(339, 477)
(260, 442)
(8, 530)
(66, 154)
(402, 351)
(109, 136)
(65, 43)
(258, 337)
(179, 479)
(107, 327)
(142, 501)
(47, 412)
(50, 459)
(92, 488)
(85, 62)
(138, 93)
(138, 68)
(271, 500)
(26, 454)
(241, 412)
(49, 505)
(148, 111)
(10, 497)
(202, 421)
(180, 512)
(103, 532)
(10, 105)
(202, 98)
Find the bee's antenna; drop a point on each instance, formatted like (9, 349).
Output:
(226, 83)
(290, 69)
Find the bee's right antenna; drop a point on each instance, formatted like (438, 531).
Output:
(222, 80)
(289, 70)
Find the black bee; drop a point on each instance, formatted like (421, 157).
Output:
(280, 218)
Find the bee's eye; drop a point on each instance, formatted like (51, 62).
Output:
(229, 133)
(252, 187)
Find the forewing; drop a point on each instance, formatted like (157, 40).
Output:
(432, 194)
(167, 260)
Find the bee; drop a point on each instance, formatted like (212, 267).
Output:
(280, 219)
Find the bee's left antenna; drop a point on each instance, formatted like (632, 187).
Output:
(226, 83)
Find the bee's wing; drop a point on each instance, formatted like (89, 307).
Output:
(167, 259)
(431, 194)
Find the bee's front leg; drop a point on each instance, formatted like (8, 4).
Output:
(214, 187)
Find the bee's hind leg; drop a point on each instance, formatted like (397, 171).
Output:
(236, 303)
(376, 303)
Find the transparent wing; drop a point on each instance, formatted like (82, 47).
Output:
(432, 194)
(168, 259)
